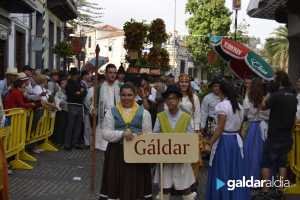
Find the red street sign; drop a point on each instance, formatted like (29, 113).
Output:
(76, 45)
(234, 49)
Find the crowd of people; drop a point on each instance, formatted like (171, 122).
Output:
(245, 133)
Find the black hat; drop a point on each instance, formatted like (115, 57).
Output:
(121, 70)
(27, 68)
(216, 80)
(74, 71)
(172, 89)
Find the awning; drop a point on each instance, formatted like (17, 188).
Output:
(18, 6)
(243, 62)
(63, 9)
(268, 9)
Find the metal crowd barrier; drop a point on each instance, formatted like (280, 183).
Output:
(294, 158)
(3, 166)
(43, 130)
(14, 144)
(21, 134)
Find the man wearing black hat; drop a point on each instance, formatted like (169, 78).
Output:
(75, 96)
(209, 102)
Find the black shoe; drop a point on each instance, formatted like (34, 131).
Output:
(260, 196)
(275, 195)
(67, 148)
(79, 146)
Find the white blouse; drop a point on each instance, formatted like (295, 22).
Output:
(255, 114)
(112, 135)
(233, 120)
(187, 106)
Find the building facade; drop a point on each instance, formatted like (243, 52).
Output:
(286, 12)
(180, 58)
(29, 30)
(111, 42)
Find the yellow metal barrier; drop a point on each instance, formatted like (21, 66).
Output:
(295, 161)
(43, 130)
(3, 165)
(14, 144)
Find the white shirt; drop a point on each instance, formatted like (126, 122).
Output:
(109, 96)
(254, 114)
(173, 119)
(112, 135)
(208, 107)
(233, 120)
(298, 107)
(187, 106)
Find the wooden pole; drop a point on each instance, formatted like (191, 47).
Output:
(94, 121)
(161, 181)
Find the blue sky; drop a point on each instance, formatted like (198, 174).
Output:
(119, 11)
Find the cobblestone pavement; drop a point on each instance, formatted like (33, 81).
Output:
(53, 177)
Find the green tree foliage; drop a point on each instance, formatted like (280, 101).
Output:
(276, 49)
(207, 17)
(63, 49)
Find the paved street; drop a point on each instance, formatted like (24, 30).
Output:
(53, 177)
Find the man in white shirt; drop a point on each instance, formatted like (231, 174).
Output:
(209, 102)
(108, 97)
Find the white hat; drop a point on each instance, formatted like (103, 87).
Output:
(22, 76)
(11, 71)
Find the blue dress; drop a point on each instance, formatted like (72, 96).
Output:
(254, 140)
(226, 160)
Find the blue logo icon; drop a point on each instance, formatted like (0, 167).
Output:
(219, 184)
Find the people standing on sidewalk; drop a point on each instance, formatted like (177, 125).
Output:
(283, 106)
(226, 146)
(177, 178)
(75, 96)
(88, 101)
(125, 181)
(6, 84)
(109, 97)
(61, 118)
(15, 97)
(257, 129)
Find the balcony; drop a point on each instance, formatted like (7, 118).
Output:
(63, 9)
(269, 9)
(18, 6)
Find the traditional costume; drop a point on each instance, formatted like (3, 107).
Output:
(121, 180)
(178, 177)
(255, 138)
(226, 159)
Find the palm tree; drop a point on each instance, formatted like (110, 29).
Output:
(277, 48)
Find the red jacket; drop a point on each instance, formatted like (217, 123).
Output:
(16, 99)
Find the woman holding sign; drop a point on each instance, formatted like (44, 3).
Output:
(122, 180)
(226, 160)
(178, 177)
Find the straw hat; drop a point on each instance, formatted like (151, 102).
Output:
(11, 71)
(22, 76)
(40, 78)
